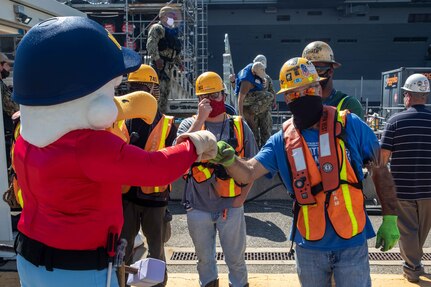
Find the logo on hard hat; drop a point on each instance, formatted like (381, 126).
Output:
(423, 86)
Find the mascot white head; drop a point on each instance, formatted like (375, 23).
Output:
(65, 73)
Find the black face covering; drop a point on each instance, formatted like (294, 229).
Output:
(4, 74)
(306, 111)
(324, 83)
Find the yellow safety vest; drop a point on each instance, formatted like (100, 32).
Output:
(156, 141)
(224, 184)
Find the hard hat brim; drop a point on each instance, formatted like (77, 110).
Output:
(334, 64)
(281, 91)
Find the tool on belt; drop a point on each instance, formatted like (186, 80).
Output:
(110, 249)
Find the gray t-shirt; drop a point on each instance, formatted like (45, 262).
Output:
(202, 196)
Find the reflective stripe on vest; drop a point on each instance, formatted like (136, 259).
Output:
(340, 104)
(333, 187)
(120, 130)
(156, 141)
(224, 187)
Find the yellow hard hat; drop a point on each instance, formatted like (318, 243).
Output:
(207, 83)
(297, 73)
(145, 74)
(319, 51)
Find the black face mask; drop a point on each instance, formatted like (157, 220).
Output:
(306, 111)
(4, 74)
(324, 82)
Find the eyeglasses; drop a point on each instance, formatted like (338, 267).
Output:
(321, 69)
(212, 96)
(312, 91)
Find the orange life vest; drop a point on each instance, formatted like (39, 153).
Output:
(224, 184)
(156, 141)
(333, 187)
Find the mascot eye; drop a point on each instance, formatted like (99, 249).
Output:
(125, 101)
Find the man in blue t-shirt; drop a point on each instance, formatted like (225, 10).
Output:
(406, 142)
(330, 227)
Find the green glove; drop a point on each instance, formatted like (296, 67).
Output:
(388, 233)
(225, 154)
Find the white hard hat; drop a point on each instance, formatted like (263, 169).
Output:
(259, 69)
(417, 83)
(261, 59)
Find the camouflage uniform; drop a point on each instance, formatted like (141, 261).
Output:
(9, 108)
(257, 112)
(170, 57)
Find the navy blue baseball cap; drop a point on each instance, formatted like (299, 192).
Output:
(65, 58)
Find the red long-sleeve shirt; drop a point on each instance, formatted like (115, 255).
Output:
(72, 187)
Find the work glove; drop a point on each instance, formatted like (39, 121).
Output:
(225, 154)
(388, 233)
(204, 141)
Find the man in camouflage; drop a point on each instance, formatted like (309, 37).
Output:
(9, 106)
(256, 97)
(164, 47)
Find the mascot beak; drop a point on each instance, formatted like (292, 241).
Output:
(131, 106)
(136, 105)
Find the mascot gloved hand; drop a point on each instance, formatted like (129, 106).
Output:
(70, 169)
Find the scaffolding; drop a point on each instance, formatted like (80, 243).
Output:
(136, 20)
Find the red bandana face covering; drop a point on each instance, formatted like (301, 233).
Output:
(218, 107)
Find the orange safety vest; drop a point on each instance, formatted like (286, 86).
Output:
(224, 184)
(333, 187)
(156, 141)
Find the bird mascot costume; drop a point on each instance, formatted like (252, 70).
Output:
(69, 167)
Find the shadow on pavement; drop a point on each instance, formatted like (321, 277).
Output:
(264, 229)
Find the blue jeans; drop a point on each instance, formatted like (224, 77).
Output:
(350, 267)
(203, 227)
(32, 276)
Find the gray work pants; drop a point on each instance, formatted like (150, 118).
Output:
(414, 223)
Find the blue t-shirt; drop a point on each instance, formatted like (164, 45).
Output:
(247, 75)
(361, 144)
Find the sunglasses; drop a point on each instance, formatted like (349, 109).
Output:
(212, 96)
(312, 91)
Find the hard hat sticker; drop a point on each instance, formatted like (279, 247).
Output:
(304, 70)
(289, 77)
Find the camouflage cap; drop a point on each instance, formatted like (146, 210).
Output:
(167, 9)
